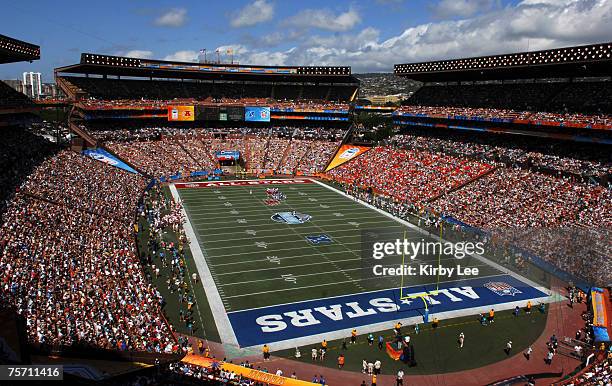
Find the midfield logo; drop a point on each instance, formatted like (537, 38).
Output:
(319, 239)
(291, 217)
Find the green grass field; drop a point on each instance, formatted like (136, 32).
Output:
(258, 262)
(437, 351)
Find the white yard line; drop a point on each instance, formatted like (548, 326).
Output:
(280, 207)
(361, 224)
(340, 271)
(282, 279)
(268, 250)
(224, 327)
(266, 260)
(275, 232)
(304, 225)
(338, 296)
(282, 267)
(302, 238)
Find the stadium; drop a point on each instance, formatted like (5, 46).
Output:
(213, 222)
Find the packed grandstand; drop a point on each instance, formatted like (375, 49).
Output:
(523, 163)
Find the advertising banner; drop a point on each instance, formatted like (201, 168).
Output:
(102, 155)
(256, 114)
(227, 155)
(181, 113)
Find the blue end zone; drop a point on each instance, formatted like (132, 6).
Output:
(276, 323)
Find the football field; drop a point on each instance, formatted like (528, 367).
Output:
(291, 265)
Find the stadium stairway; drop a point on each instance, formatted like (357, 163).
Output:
(83, 134)
(127, 162)
(301, 160)
(285, 154)
(209, 153)
(180, 143)
(460, 186)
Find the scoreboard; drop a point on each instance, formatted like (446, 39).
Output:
(219, 113)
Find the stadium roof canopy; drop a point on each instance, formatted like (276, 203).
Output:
(105, 65)
(13, 50)
(594, 60)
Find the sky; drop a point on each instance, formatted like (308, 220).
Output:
(369, 36)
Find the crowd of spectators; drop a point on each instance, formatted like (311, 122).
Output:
(516, 152)
(599, 374)
(69, 177)
(164, 152)
(493, 114)
(514, 197)
(69, 266)
(22, 151)
(414, 176)
(577, 102)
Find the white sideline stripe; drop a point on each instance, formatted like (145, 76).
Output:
(424, 232)
(224, 327)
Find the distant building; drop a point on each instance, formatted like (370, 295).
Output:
(380, 100)
(32, 84)
(50, 90)
(15, 84)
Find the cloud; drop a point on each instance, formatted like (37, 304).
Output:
(174, 17)
(324, 19)
(256, 12)
(142, 54)
(462, 8)
(183, 56)
(537, 24)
